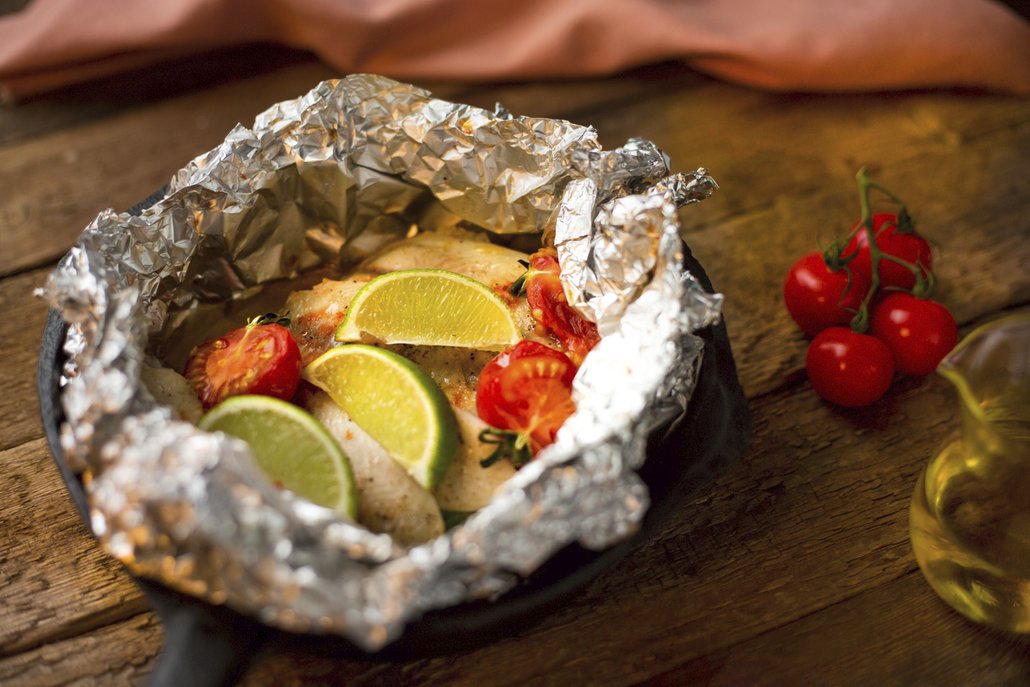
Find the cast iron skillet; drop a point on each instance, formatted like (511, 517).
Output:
(208, 645)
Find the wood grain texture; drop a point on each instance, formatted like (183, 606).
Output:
(981, 236)
(768, 149)
(117, 655)
(59, 181)
(21, 331)
(55, 580)
(786, 164)
(915, 638)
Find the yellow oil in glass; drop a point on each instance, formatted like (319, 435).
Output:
(970, 517)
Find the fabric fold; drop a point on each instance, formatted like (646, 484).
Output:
(793, 45)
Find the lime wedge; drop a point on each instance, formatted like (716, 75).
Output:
(291, 447)
(430, 308)
(395, 401)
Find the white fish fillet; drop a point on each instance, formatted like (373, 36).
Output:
(467, 486)
(316, 313)
(170, 388)
(464, 253)
(389, 500)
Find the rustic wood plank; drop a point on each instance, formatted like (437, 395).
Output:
(941, 648)
(117, 655)
(766, 149)
(973, 213)
(56, 582)
(21, 330)
(57, 183)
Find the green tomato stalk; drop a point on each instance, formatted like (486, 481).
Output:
(511, 445)
(837, 260)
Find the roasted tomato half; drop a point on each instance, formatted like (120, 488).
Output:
(525, 391)
(551, 308)
(260, 358)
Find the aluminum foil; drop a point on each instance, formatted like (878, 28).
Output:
(323, 180)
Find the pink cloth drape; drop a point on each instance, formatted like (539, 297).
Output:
(803, 45)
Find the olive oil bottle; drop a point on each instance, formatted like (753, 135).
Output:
(970, 513)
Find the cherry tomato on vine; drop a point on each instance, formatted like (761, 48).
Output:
(918, 331)
(817, 297)
(551, 309)
(848, 368)
(260, 358)
(891, 240)
(527, 390)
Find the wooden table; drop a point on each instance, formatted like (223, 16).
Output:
(792, 568)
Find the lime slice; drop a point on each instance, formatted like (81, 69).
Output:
(430, 308)
(395, 401)
(291, 447)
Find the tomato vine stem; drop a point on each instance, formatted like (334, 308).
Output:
(924, 279)
(511, 445)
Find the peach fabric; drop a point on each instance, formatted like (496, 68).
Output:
(798, 45)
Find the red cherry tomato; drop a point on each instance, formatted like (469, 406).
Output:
(918, 331)
(256, 359)
(910, 247)
(817, 297)
(551, 309)
(847, 368)
(527, 389)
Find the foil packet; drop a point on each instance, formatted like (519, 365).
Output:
(323, 180)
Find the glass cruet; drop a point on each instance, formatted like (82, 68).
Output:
(970, 513)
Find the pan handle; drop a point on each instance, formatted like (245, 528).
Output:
(205, 646)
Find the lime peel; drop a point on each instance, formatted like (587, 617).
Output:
(395, 401)
(291, 447)
(430, 307)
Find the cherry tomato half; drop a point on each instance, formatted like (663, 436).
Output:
(551, 308)
(527, 389)
(255, 359)
(918, 331)
(817, 297)
(910, 247)
(848, 368)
